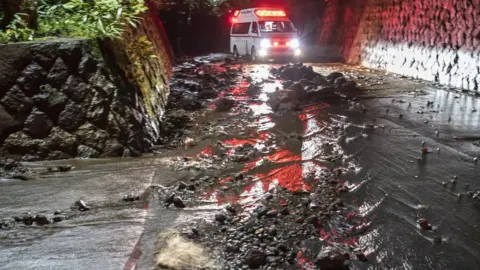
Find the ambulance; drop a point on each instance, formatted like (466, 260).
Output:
(263, 33)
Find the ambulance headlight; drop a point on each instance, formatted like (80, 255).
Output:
(265, 43)
(294, 43)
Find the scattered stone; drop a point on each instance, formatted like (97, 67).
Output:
(328, 259)
(28, 219)
(182, 185)
(130, 198)
(41, 220)
(255, 258)
(177, 202)
(424, 224)
(81, 206)
(220, 218)
(272, 214)
(224, 104)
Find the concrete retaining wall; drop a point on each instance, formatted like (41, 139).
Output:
(427, 39)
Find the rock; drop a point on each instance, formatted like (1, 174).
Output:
(113, 149)
(72, 117)
(169, 199)
(182, 185)
(424, 224)
(87, 67)
(62, 141)
(334, 75)
(58, 218)
(230, 248)
(58, 73)
(81, 206)
(285, 211)
(189, 143)
(283, 99)
(261, 210)
(41, 220)
(321, 81)
(254, 90)
(255, 259)
(281, 247)
(361, 256)
(20, 177)
(177, 202)
(8, 124)
(28, 219)
(327, 259)
(312, 220)
(191, 187)
(17, 104)
(51, 101)
(130, 198)
(188, 103)
(21, 144)
(220, 218)
(224, 104)
(91, 136)
(31, 78)
(272, 214)
(207, 94)
(37, 125)
(289, 73)
(299, 90)
(339, 82)
(84, 151)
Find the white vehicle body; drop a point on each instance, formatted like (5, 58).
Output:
(261, 32)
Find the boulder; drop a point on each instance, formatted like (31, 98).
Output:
(283, 99)
(299, 90)
(334, 75)
(329, 259)
(37, 125)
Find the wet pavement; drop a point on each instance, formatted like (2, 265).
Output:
(395, 151)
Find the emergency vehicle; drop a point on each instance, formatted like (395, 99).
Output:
(263, 33)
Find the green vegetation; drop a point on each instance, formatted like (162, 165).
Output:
(72, 18)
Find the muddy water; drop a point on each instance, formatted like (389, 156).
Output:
(392, 183)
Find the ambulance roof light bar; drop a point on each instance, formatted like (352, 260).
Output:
(270, 13)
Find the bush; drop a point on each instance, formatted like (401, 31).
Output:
(77, 18)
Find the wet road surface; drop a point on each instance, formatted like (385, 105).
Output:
(391, 182)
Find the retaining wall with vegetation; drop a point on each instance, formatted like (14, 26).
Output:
(67, 98)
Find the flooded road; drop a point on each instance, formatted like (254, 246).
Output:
(398, 150)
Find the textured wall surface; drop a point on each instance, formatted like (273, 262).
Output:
(59, 99)
(435, 40)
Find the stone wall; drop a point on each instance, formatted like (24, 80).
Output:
(59, 99)
(434, 40)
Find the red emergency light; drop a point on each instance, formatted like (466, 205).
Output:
(270, 13)
(236, 13)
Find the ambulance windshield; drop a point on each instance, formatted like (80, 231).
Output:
(277, 26)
